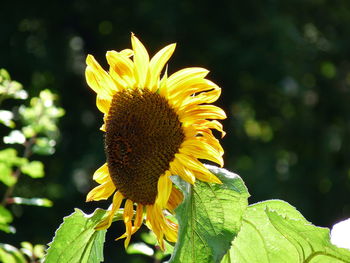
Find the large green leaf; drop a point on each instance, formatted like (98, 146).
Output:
(77, 241)
(209, 217)
(274, 231)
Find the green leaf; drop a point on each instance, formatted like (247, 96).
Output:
(15, 136)
(77, 241)
(6, 118)
(6, 174)
(274, 231)
(34, 169)
(209, 217)
(11, 254)
(5, 219)
(44, 146)
(10, 158)
(140, 248)
(32, 201)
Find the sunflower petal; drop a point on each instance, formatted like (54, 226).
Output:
(98, 79)
(117, 200)
(177, 168)
(202, 112)
(101, 175)
(164, 189)
(101, 192)
(157, 63)
(202, 172)
(175, 199)
(141, 60)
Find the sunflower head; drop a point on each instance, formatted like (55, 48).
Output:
(155, 126)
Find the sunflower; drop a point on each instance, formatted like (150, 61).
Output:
(155, 126)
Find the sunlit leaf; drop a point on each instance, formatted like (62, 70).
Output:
(6, 118)
(15, 136)
(6, 175)
(34, 169)
(32, 201)
(5, 219)
(77, 241)
(11, 254)
(340, 234)
(209, 217)
(274, 231)
(44, 146)
(140, 248)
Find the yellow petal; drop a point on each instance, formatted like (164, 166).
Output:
(128, 215)
(101, 192)
(201, 172)
(103, 104)
(202, 112)
(128, 210)
(98, 79)
(175, 199)
(157, 63)
(177, 168)
(152, 221)
(185, 77)
(102, 174)
(141, 61)
(164, 189)
(203, 97)
(127, 52)
(120, 63)
(117, 200)
(201, 150)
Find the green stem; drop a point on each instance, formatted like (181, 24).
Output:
(27, 152)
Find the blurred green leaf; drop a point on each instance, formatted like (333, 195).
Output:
(44, 146)
(41, 116)
(15, 136)
(6, 118)
(32, 201)
(34, 169)
(6, 175)
(279, 233)
(209, 217)
(140, 248)
(10, 254)
(77, 241)
(5, 219)
(27, 248)
(39, 251)
(9, 157)
(9, 88)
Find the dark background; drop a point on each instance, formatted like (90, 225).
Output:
(283, 67)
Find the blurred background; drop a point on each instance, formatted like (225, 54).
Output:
(284, 69)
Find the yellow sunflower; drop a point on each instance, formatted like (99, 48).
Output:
(154, 127)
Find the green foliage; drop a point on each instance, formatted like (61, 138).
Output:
(32, 201)
(34, 169)
(77, 241)
(11, 254)
(8, 160)
(36, 133)
(274, 231)
(10, 88)
(209, 217)
(5, 219)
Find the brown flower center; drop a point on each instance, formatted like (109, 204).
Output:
(143, 134)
